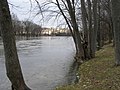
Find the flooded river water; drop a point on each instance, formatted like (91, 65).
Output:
(45, 62)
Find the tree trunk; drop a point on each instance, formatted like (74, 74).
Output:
(84, 20)
(94, 31)
(80, 51)
(85, 29)
(116, 26)
(73, 27)
(111, 33)
(12, 64)
(99, 32)
(69, 26)
(90, 28)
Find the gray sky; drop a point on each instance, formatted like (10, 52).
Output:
(22, 9)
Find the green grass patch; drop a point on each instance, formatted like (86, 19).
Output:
(98, 73)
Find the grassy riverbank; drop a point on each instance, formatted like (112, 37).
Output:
(98, 73)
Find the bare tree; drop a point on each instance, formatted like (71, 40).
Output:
(90, 29)
(73, 26)
(94, 33)
(87, 30)
(94, 16)
(116, 26)
(12, 64)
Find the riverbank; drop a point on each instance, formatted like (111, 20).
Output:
(98, 73)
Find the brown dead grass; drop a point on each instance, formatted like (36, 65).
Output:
(98, 73)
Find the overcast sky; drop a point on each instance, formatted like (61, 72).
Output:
(22, 9)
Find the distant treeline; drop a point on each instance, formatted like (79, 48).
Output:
(29, 28)
(26, 27)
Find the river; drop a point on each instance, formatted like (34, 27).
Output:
(45, 62)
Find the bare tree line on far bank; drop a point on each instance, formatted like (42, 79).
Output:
(29, 28)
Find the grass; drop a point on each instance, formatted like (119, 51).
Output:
(98, 73)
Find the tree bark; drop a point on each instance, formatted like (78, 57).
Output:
(94, 31)
(12, 64)
(84, 20)
(116, 27)
(85, 30)
(73, 26)
(80, 51)
(69, 26)
(99, 32)
(90, 36)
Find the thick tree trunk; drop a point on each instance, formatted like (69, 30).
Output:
(90, 28)
(99, 34)
(80, 54)
(116, 26)
(80, 51)
(110, 33)
(94, 31)
(85, 29)
(84, 20)
(73, 28)
(12, 64)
